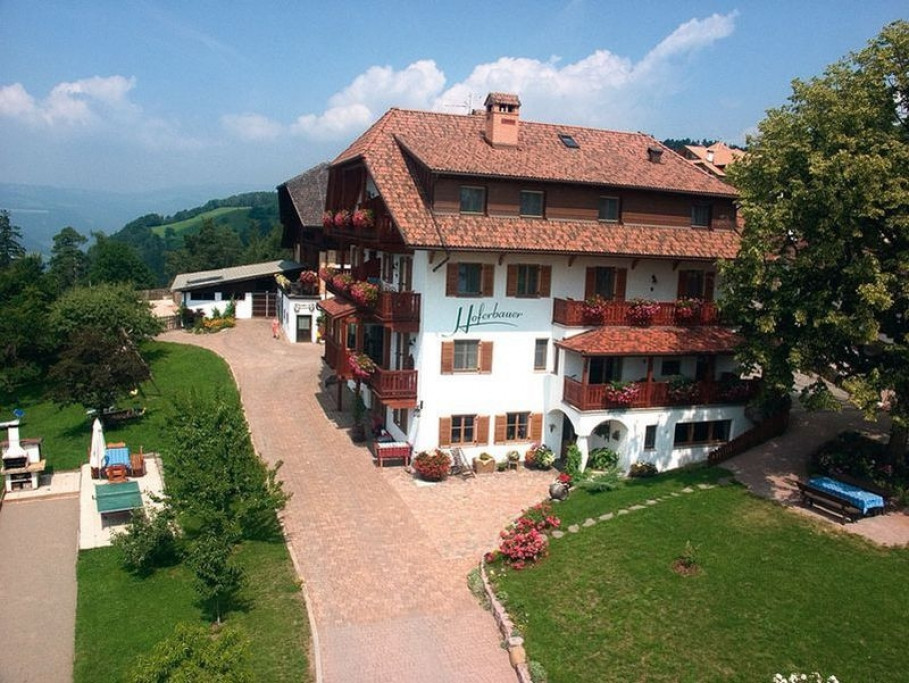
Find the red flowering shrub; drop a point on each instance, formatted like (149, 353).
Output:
(525, 541)
(432, 465)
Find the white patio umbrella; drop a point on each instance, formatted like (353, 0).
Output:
(97, 451)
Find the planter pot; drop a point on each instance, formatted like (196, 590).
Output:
(558, 491)
(484, 466)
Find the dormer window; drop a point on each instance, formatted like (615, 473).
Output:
(531, 203)
(608, 209)
(700, 215)
(473, 199)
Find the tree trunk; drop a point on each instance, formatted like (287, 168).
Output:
(896, 447)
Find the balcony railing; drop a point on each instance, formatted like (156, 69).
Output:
(657, 394)
(381, 231)
(572, 313)
(336, 356)
(394, 386)
(399, 309)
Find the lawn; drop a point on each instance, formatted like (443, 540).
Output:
(776, 592)
(235, 216)
(176, 368)
(120, 616)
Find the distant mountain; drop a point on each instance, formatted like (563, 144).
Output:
(42, 211)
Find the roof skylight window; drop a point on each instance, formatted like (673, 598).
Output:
(568, 141)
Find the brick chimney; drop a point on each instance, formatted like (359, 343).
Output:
(502, 113)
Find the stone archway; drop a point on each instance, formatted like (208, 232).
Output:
(612, 434)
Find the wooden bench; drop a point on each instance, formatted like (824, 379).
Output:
(812, 496)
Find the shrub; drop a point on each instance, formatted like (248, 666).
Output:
(192, 653)
(524, 541)
(643, 469)
(539, 456)
(602, 483)
(602, 458)
(432, 465)
(573, 461)
(148, 542)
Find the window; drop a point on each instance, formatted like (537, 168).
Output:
(540, 352)
(466, 356)
(670, 367)
(568, 141)
(531, 203)
(528, 280)
(525, 280)
(604, 369)
(463, 428)
(608, 209)
(516, 426)
(700, 215)
(695, 433)
(696, 284)
(470, 279)
(473, 199)
(650, 437)
(399, 417)
(604, 282)
(352, 336)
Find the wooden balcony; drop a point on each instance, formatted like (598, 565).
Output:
(400, 311)
(657, 394)
(571, 313)
(395, 388)
(336, 356)
(381, 232)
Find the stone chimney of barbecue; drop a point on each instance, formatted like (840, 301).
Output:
(502, 113)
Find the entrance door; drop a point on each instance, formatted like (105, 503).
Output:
(304, 328)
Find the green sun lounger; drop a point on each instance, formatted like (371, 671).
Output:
(113, 498)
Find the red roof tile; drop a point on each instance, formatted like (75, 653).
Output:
(645, 341)
(336, 309)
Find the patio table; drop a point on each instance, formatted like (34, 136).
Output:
(113, 498)
(116, 456)
(861, 499)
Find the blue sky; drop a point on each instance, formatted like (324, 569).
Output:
(144, 94)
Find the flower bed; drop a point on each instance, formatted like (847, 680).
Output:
(524, 541)
(432, 465)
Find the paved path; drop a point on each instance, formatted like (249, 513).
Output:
(384, 559)
(38, 589)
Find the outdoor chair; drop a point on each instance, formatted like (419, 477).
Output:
(116, 473)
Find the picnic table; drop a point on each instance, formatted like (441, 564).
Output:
(863, 500)
(114, 498)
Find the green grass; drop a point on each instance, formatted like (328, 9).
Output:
(235, 216)
(120, 616)
(776, 593)
(176, 368)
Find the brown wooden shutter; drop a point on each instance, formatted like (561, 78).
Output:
(447, 358)
(406, 274)
(485, 353)
(709, 284)
(621, 283)
(683, 284)
(444, 431)
(590, 283)
(545, 280)
(451, 280)
(501, 425)
(511, 283)
(482, 429)
(536, 427)
(489, 274)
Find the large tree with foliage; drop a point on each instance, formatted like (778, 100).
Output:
(10, 240)
(117, 262)
(25, 341)
(821, 283)
(68, 264)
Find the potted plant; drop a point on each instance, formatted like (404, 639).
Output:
(432, 465)
(484, 464)
(342, 218)
(328, 219)
(559, 489)
(512, 458)
(683, 389)
(594, 310)
(309, 281)
(364, 293)
(539, 456)
(642, 311)
(362, 218)
(687, 310)
(622, 394)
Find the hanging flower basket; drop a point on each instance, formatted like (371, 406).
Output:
(361, 365)
(642, 311)
(363, 218)
(364, 293)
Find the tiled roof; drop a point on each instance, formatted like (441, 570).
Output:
(645, 341)
(202, 279)
(723, 154)
(449, 144)
(307, 193)
(336, 309)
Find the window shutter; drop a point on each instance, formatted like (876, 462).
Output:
(545, 280)
(709, 279)
(683, 284)
(482, 429)
(511, 284)
(536, 427)
(406, 274)
(489, 274)
(447, 358)
(444, 431)
(451, 280)
(621, 283)
(590, 283)
(501, 424)
(485, 353)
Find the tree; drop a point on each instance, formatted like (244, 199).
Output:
(218, 579)
(10, 240)
(113, 309)
(68, 263)
(821, 283)
(117, 262)
(214, 246)
(192, 653)
(25, 339)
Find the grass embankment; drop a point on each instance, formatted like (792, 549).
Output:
(67, 431)
(235, 217)
(775, 592)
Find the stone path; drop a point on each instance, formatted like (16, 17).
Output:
(384, 560)
(38, 589)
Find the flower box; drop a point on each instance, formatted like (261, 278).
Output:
(483, 465)
(642, 311)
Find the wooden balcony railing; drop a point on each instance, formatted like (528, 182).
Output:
(394, 386)
(571, 313)
(656, 394)
(336, 356)
(401, 310)
(382, 230)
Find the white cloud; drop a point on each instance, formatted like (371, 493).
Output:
(80, 102)
(251, 126)
(15, 102)
(602, 89)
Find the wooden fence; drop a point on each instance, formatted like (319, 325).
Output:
(766, 430)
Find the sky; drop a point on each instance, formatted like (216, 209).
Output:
(135, 95)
